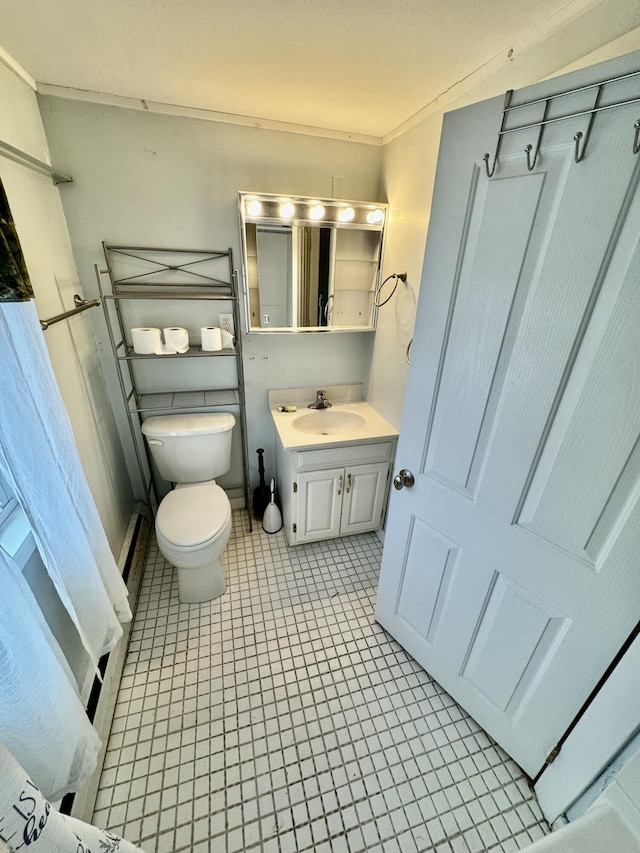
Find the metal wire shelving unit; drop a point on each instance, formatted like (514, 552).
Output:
(151, 276)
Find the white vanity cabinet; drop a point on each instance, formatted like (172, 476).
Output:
(334, 491)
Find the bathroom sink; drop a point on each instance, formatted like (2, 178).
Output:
(350, 420)
(328, 422)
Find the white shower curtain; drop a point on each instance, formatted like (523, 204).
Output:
(40, 461)
(28, 820)
(42, 720)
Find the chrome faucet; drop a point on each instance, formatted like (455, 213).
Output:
(321, 401)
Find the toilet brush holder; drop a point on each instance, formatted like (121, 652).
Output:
(272, 518)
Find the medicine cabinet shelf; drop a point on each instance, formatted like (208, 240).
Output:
(153, 287)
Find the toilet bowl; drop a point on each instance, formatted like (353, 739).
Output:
(193, 526)
(193, 522)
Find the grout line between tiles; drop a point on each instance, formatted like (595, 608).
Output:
(281, 718)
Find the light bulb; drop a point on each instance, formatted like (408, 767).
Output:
(254, 207)
(375, 217)
(346, 214)
(316, 212)
(287, 210)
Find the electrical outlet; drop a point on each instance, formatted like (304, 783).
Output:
(226, 322)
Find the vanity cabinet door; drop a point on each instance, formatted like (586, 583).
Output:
(365, 490)
(334, 491)
(319, 504)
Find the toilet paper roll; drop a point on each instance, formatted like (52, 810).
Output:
(211, 339)
(227, 339)
(146, 341)
(176, 339)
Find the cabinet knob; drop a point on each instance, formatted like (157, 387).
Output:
(403, 478)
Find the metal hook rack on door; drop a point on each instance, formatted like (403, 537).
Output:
(581, 139)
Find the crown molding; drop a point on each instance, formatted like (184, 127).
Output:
(17, 69)
(202, 114)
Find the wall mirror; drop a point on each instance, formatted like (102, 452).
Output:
(310, 264)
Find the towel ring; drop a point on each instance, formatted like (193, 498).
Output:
(399, 276)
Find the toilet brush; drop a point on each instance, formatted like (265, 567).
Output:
(272, 518)
(261, 492)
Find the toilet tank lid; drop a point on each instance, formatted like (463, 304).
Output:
(202, 423)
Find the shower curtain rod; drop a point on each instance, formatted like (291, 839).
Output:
(25, 159)
(81, 305)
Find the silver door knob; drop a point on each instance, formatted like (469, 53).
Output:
(404, 478)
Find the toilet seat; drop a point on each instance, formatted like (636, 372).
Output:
(193, 516)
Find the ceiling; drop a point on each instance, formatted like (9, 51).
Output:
(356, 66)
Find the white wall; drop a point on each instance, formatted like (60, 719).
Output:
(40, 222)
(156, 180)
(409, 189)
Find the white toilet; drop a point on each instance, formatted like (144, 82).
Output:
(193, 522)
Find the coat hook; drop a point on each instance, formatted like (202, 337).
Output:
(636, 138)
(486, 164)
(529, 148)
(505, 110)
(579, 155)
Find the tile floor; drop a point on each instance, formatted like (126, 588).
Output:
(282, 718)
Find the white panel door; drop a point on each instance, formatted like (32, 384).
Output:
(511, 567)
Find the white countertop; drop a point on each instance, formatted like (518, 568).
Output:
(344, 398)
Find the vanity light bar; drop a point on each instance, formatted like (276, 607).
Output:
(257, 208)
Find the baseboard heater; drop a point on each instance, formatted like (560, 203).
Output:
(104, 693)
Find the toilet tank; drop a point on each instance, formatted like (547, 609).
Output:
(190, 448)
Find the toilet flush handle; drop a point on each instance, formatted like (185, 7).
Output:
(155, 441)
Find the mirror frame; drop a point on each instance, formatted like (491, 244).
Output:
(365, 216)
